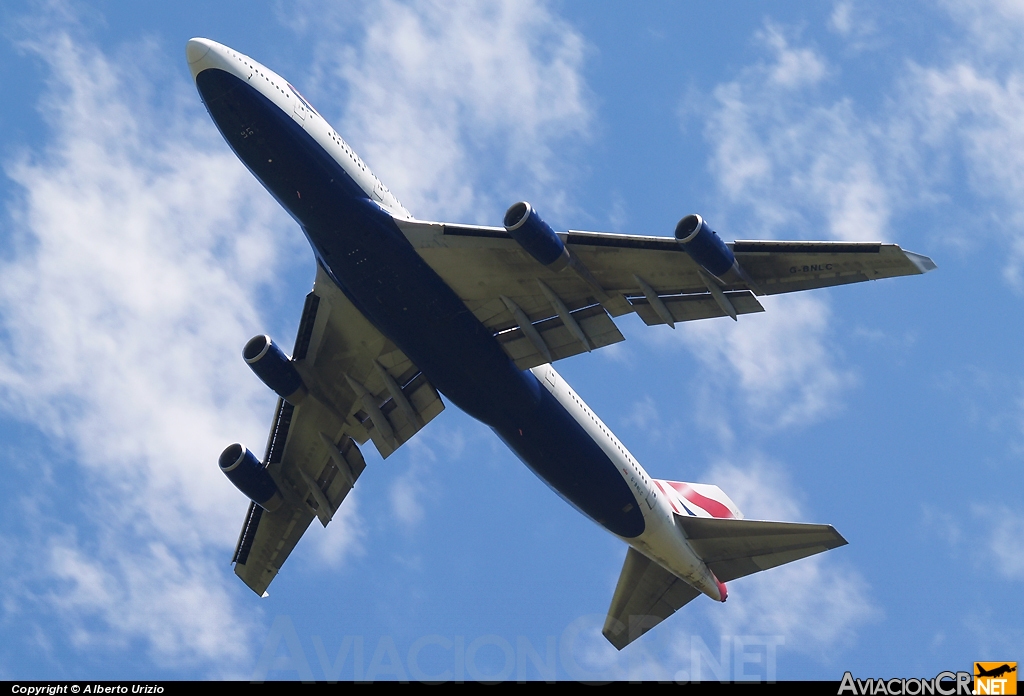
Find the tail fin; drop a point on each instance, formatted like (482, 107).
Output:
(698, 499)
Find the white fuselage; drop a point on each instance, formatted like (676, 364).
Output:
(663, 541)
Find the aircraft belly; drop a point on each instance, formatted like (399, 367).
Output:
(292, 166)
(558, 449)
(377, 268)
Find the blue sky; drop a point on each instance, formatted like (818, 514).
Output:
(137, 256)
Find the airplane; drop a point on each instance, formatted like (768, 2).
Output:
(995, 672)
(403, 310)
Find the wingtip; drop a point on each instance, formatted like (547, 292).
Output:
(922, 262)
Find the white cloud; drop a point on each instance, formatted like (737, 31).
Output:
(797, 161)
(980, 117)
(344, 536)
(644, 417)
(138, 247)
(841, 19)
(406, 495)
(789, 171)
(852, 23)
(1004, 540)
(761, 490)
(793, 67)
(793, 166)
(781, 361)
(176, 604)
(946, 524)
(815, 604)
(443, 97)
(412, 491)
(994, 24)
(991, 537)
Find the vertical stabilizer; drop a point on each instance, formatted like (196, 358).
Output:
(698, 500)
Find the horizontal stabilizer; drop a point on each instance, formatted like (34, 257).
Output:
(736, 548)
(646, 595)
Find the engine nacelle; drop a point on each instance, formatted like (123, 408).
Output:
(704, 245)
(274, 368)
(535, 236)
(249, 476)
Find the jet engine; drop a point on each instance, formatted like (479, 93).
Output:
(274, 368)
(249, 476)
(704, 245)
(535, 236)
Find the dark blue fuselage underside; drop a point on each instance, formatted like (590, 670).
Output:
(377, 268)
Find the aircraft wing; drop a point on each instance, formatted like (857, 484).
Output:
(518, 297)
(361, 387)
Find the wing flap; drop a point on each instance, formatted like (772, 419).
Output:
(275, 536)
(614, 259)
(349, 353)
(693, 307)
(645, 595)
(245, 539)
(482, 264)
(735, 548)
(559, 340)
(344, 465)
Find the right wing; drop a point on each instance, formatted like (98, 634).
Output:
(360, 387)
(540, 315)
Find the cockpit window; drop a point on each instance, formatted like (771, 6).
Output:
(302, 99)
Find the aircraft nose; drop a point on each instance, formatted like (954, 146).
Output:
(196, 49)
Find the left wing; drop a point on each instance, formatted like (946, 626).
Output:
(360, 387)
(541, 315)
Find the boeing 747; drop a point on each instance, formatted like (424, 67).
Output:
(403, 311)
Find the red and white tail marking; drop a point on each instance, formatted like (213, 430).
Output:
(698, 499)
